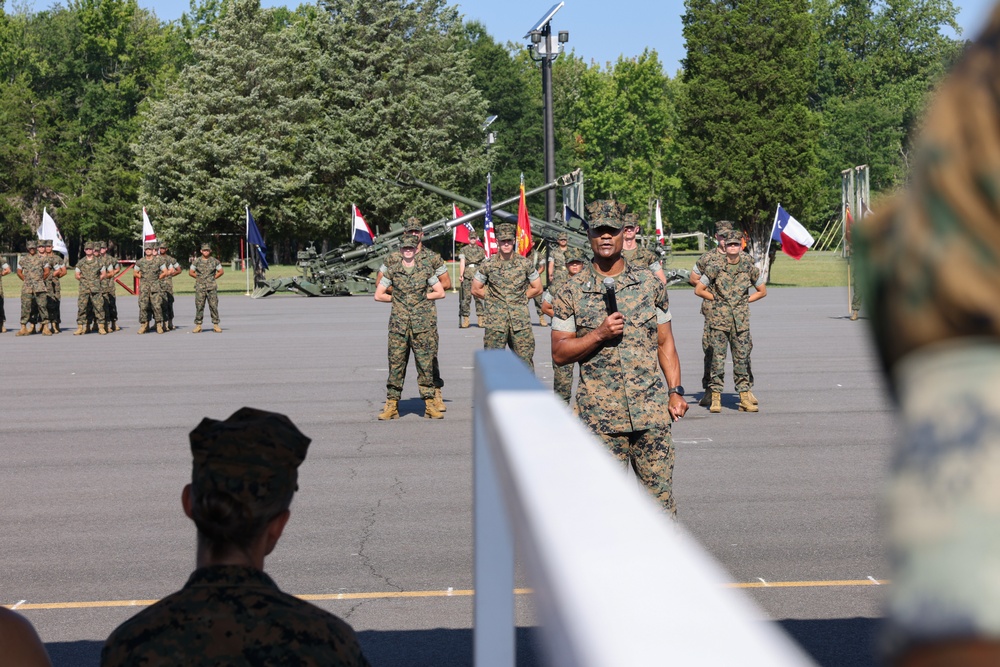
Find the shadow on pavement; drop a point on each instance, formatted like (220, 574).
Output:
(441, 647)
(840, 642)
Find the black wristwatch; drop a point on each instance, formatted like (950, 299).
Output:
(679, 389)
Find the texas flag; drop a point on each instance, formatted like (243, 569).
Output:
(360, 231)
(790, 233)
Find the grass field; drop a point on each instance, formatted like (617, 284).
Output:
(816, 269)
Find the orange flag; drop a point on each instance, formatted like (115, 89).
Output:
(523, 226)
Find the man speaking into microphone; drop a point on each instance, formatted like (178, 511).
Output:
(613, 318)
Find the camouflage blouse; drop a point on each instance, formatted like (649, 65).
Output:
(507, 283)
(410, 307)
(233, 615)
(33, 268)
(88, 272)
(729, 284)
(205, 269)
(621, 388)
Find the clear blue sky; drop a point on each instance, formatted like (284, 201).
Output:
(599, 30)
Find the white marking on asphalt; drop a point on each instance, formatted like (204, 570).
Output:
(874, 580)
(762, 581)
(692, 441)
(451, 591)
(18, 604)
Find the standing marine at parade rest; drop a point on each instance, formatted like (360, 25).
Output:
(206, 270)
(90, 271)
(556, 270)
(574, 259)
(54, 288)
(469, 259)
(622, 344)
(412, 324)
(633, 254)
(4, 270)
(33, 269)
(167, 285)
(726, 285)
(148, 270)
(506, 281)
(111, 266)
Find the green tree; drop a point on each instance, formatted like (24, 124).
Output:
(748, 138)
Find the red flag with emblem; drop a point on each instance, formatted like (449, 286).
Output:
(523, 226)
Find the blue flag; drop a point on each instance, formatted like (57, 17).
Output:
(569, 214)
(255, 240)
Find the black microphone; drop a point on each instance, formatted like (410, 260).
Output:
(609, 296)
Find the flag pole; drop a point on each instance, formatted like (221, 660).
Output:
(246, 248)
(771, 235)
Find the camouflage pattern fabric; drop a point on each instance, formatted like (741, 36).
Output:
(521, 342)
(112, 265)
(474, 256)
(557, 256)
(33, 291)
(621, 388)
(150, 298)
(90, 297)
(412, 324)
(233, 615)
(562, 376)
(929, 268)
(729, 284)
(54, 284)
(650, 453)
(435, 262)
(205, 288)
(643, 257)
(508, 323)
(167, 287)
(700, 266)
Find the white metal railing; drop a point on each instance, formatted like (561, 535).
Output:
(615, 582)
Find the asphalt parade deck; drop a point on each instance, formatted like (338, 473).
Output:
(94, 432)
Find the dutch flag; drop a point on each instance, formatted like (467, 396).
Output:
(360, 231)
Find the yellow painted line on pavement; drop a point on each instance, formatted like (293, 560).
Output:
(430, 594)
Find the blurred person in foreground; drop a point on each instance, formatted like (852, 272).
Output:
(19, 641)
(930, 264)
(230, 612)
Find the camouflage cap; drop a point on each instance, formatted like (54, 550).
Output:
(606, 213)
(31, 243)
(206, 246)
(102, 245)
(163, 244)
(413, 226)
(89, 245)
(563, 236)
(506, 232)
(631, 219)
(576, 255)
(723, 227)
(734, 237)
(149, 246)
(253, 455)
(409, 241)
(49, 243)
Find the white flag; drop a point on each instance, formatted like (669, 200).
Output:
(659, 224)
(48, 230)
(148, 235)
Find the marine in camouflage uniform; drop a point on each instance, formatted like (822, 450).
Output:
(717, 254)
(537, 259)
(167, 285)
(726, 285)
(90, 297)
(635, 254)
(4, 270)
(111, 266)
(230, 612)
(557, 262)
(148, 270)
(562, 376)
(33, 269)
(469, 259)
(412, 324)
(206, 270)
(929, 269)
(506, 281)
(53, 283)
(621, 396)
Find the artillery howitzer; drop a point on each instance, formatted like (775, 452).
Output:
(576, 231)
(351, 269)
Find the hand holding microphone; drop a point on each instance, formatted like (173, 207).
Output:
(614, 324)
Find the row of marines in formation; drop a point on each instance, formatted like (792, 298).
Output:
(41, 271)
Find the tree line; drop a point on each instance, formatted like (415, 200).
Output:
(299, 113)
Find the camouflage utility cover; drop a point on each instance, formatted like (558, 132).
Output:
(621, 388)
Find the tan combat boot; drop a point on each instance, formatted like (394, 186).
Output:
(45, 329)
(3, 329)
(216, 328)
(23, 331)
(430, 409)
(854, 316)
(31, 330)
(706, 399)
(197, 329)
(55, 327)
(439, 401)
(79, 330)
(143, 328)
(114, 326)
(746, 405)
(390, 411)
(464, 324)
(753, 399)
(159, 327)
(542, 322)
(716, 402)
(101, 329)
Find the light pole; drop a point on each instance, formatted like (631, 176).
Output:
(547, 47)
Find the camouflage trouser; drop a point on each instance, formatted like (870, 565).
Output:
(651, 455)
(562, 381)
(40, 301)
(110, 307)
(855, 297)
(741, 345)
(54, 308)
(465, 303)
(424, 346)
(538, 306)
(200, 296)
(168, 305)
(706, 348)
(521, 342)
(435, 367)
(92, 301)
(150, 305)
